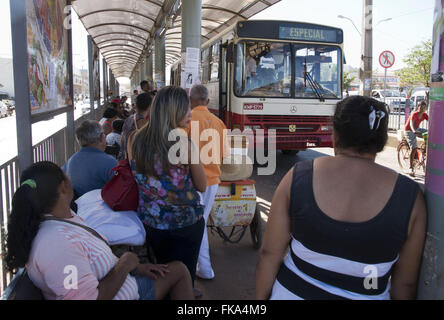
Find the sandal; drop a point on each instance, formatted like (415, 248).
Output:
(197, 294)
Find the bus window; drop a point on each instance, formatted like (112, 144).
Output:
(266, 70)
(239, 80)
(322, 66)
(214, 62)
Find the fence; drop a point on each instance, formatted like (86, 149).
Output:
(51, 149)
(399, 115)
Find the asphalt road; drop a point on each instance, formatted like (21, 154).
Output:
(234, 264)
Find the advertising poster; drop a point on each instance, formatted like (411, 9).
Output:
(47, 55)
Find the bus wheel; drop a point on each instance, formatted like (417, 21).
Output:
(290, 152)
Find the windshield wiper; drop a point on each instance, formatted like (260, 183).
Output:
(314, 84)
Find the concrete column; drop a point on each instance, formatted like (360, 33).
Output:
(142, 71)
(159, 64)
(91, 77)
(191, 24)
(112, 82)
(21, 83)
(191, 33)
(430, 285)
(149, 68)
(365, 72)
(105, 82)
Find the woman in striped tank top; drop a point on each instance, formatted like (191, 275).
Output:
(66, 259)
(344, 227)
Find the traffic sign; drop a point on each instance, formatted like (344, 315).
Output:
(387, 59)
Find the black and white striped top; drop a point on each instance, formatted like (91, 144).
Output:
(330, 259)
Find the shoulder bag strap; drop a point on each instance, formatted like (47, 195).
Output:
(135, 122)
(90, 230)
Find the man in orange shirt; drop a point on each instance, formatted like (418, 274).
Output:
(209, 133)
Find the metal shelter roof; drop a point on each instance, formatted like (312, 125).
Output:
(124, 31)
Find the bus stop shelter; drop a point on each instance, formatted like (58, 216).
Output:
(136, 38)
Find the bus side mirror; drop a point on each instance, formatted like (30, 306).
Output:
(231, 53)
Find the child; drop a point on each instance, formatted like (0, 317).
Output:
(115, 136)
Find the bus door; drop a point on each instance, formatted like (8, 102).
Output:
(223, 83)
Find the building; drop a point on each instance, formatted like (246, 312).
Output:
(7, 76)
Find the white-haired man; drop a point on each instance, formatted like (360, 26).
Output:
(208, 125)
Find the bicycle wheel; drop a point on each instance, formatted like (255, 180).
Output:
(404, 157)
(418, 161)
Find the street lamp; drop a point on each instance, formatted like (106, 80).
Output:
(342, 17)
(388, 19)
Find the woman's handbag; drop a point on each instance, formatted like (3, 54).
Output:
(121, 192)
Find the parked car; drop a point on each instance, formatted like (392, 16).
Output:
(3, 110)
(393, 98)
(417, 97)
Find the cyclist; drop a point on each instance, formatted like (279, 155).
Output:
(412, 130)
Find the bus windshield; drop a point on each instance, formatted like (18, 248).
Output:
(264, 69)
(321, 65)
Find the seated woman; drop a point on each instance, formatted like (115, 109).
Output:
(356, 229)
(109, 116)
(68, 260)
(169, 205)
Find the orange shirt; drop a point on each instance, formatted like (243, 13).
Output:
(202, 119)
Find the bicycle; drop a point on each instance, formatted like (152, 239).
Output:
(404, 155)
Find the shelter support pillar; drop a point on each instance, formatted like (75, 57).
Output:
(430, 284)
(142, 71)
(149, 68)
(70, 121)
(159, 65)
(112, 82)
(191, 37)
(365, 72)
(91, 77)
(21, 81)
(105, 82)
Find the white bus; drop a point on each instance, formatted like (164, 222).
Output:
(277, 75)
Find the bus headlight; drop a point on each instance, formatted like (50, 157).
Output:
(326, 128)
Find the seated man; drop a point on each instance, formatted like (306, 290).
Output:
(89, 168)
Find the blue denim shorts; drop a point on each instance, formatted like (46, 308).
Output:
(145, 287)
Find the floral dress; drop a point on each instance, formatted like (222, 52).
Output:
(168, 201)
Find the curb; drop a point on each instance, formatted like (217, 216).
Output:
(393, 140)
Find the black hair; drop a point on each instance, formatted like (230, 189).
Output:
(352, 126)
(110, 113)
(113, 105)
(118, 125)
(28, 206)
(143, 101)
(144, 82)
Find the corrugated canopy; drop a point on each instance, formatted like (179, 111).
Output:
(124, 29)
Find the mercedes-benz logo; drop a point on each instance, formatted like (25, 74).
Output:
(293, 109)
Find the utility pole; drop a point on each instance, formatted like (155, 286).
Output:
(365, 72)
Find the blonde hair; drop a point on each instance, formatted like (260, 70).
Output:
(170, 107)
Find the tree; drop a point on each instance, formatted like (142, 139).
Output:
(348, 79)
(418, 62)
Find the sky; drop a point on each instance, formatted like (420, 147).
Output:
(412, 22)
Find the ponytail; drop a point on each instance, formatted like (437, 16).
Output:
(23, 226)
(36, 196)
